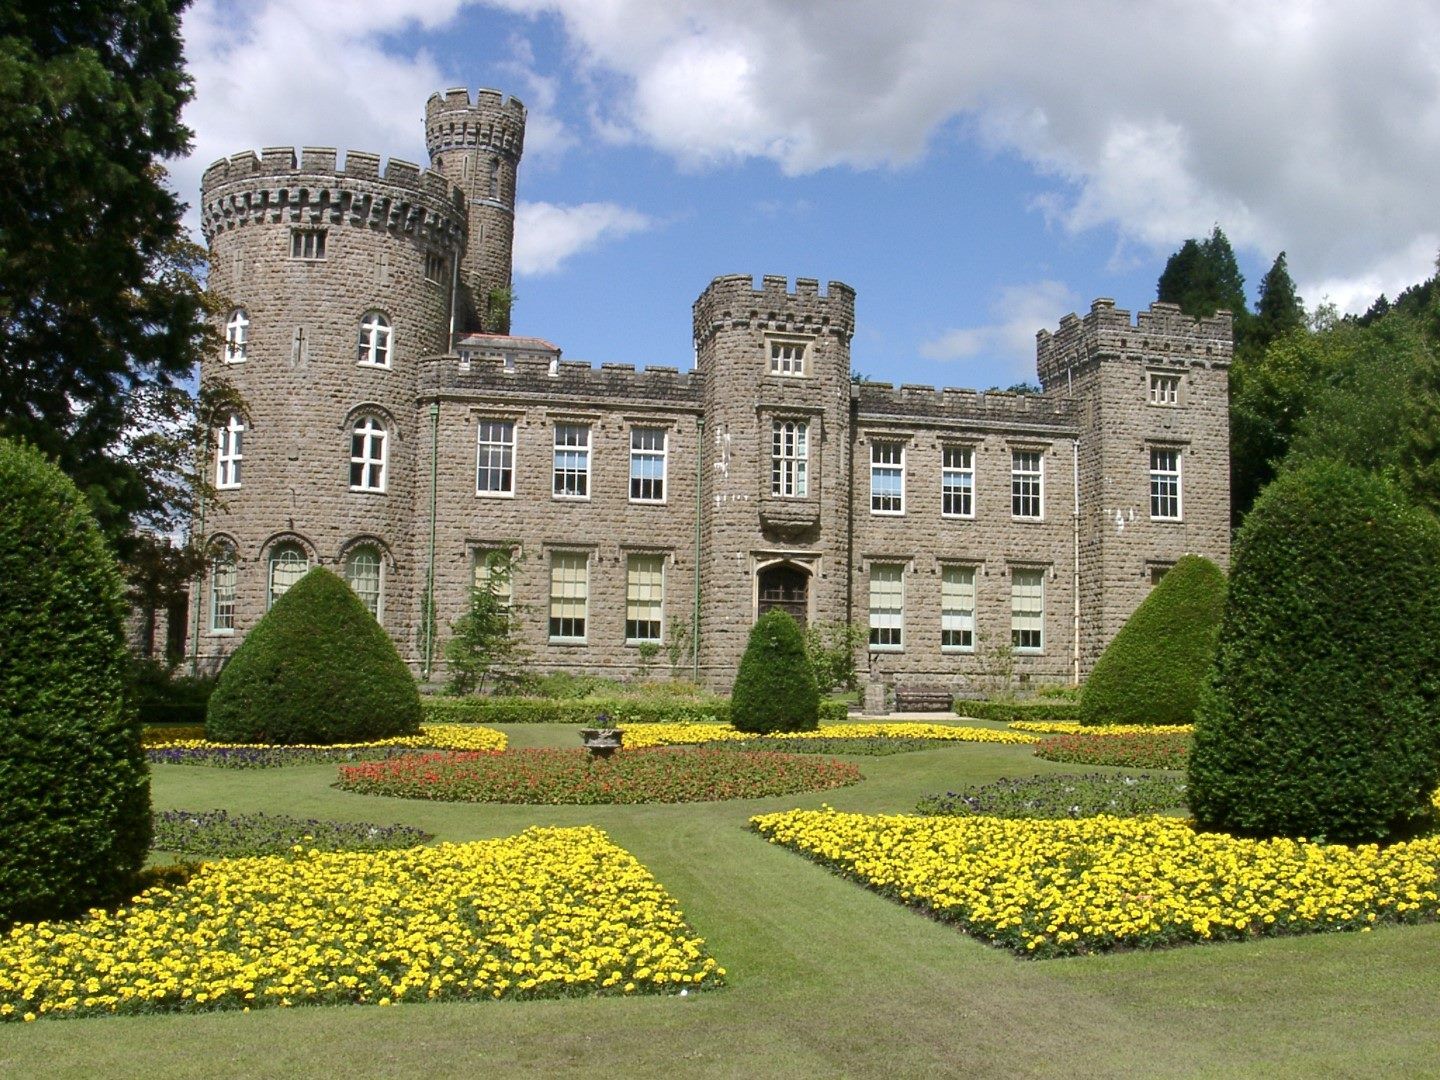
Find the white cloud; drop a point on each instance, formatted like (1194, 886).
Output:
(546, 234)
(1299, 125)
(1018, 311)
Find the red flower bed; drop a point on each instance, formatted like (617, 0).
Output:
(670, 774)
(1152, 750)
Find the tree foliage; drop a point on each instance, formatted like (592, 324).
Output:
(316, 669)
(74, 786)
(98, 297)
(831, 649)
(1153, 670)
(1323, 716)
(1203, 277)
(775, 688)
(1279, 309)
(483, 644)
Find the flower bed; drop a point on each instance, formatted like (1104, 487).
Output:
(217, 834)
(547, 913)
(573, 777)
(1058, 888)
(1154, 750)
(188, 746)
(870, 746)
(691, 734)
(1055, 727)
(1062, 797)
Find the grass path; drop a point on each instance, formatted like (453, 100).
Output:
(826, 979)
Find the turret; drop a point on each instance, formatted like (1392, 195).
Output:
(477, 145)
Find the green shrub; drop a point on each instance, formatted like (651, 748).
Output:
(775, 687)
(621, 711)
(1050, 710)
(74, 786)
(1153, 670)
(161, 696)
(1321, 718)
(316, 669)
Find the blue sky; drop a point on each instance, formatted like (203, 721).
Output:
(974, 170)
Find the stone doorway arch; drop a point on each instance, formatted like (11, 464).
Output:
(783, 585)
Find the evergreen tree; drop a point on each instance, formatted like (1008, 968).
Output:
(97, 298)
(1203, 277)
(483, 644)
(1279, 309)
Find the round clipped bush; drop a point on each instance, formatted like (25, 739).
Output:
(775, 688)
(317, 669)
(74, 785)
(1321, 717)
(1153, 670)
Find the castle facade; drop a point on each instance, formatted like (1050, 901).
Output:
(397, 432)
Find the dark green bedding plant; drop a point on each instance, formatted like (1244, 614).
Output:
(1062, 796)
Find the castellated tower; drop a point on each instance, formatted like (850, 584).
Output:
(776, 370)
(477, 146)
(1152, 400)
(338, 281)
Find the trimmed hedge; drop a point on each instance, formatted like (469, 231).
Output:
(1323, 717)
(500, 710)
(1007, 712)
(1153, 670)
(317, 669)
(74, 785)
(775, 688)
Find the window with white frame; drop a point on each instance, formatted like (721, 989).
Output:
(887, 605)
(495, 457)
(367, 455)
(288, 563)
(494, 570)
(644, 598)
(307, 243)
(222, 590)
(789, 459)
(1027, 610)
(887, 478)
(1164, 388)
(957, 481)
(787, 357)
(647, 464)
(229, 452)
(363, 572)
(376, 339)
(569, 595)
(572, 461)
(957, 608)
(1164, 484)
(1027, 484)
(237, 336)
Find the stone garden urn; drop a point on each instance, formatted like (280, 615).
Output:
(602, 741)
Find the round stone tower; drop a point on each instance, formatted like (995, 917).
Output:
(337, 280)
(477, 146)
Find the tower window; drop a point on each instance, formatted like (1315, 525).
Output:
(222, 591)
(229, 452)
(368, 455)
(237, 336)
(363, 571)
(1164, 388)
(434, 267)
(288, 564)
(1164, 484)
(307, 243)
(376, 340)
(787, 357)
(789, 459)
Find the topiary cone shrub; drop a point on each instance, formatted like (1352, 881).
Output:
(1321, 718)
(1154, 669)
(317, 669)
(775, 687)
(74, 785)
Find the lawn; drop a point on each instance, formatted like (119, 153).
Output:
(825, 978)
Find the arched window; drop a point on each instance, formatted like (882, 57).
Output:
(376, 339)
(288, 564)
(237, 336)
(363, 572)
(222, 590)
(367, 455)
(229, 452)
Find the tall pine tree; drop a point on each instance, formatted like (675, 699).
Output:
(93, 313)
(1279, 309)
(1203, 277)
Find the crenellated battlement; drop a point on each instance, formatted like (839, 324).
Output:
(1162, 333)
(521, 376)
(965, 408)
(489, 120)
(733, 300)
(276, 186)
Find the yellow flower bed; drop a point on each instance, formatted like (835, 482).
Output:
(1069, 727)
(549, 912)
(643, 736)
(1060, 887)
(430, 736)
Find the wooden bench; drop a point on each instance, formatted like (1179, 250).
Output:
(923, 699)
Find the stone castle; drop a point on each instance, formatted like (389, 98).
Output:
(399, 434)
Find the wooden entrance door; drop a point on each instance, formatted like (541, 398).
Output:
(787, 587)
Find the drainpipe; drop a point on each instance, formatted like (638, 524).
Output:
(199, 579)
(850, 508)
(695, 610)
(1075, 544)
(429, 611)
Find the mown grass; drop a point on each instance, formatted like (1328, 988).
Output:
(826, 978)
